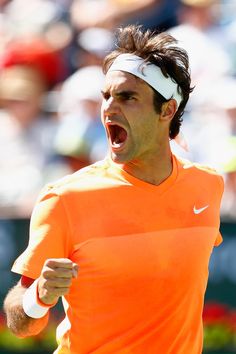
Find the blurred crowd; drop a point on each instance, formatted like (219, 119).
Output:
(51, 53)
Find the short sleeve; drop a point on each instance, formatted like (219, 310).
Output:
(49, 236)
(219, 240)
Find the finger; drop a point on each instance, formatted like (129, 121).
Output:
(57, 283)
(49, 273)
(58, 291)
(59, 263)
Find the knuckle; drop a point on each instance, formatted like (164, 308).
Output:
(66, 261)
(49, 262)
(45, 273)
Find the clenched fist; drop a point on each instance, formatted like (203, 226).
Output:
(55, 279)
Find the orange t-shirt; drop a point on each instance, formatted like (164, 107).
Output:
(143, 253)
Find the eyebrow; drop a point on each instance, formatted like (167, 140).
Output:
(122, 94)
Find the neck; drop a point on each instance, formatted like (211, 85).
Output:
(153, 170)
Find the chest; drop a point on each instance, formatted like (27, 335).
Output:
(145, 267)
(125, 210)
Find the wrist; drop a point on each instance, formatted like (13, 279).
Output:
(32, 305)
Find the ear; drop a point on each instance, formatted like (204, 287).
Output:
(168, 110)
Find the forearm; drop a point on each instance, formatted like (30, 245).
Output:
(17, 321)
(36, 299)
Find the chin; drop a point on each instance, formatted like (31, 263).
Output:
(120, 158)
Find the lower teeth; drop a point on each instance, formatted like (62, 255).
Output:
(117, 141)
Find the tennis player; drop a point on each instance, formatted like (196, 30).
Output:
(126, 241)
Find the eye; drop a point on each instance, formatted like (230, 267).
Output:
(127, 97)
(106, 95)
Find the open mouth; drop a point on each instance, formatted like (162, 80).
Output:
(117, 135)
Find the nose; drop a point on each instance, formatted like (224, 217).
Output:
(110, 107)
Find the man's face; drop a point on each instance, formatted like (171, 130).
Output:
(133, 127)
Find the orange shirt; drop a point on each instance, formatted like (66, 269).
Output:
(142, 251)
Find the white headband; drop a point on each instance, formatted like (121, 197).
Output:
(148, 72)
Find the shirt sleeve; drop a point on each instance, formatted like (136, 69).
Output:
(219, 238)
(49, 235)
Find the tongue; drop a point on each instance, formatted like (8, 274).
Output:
(121, 136)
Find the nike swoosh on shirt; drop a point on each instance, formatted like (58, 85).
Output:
(198, 211)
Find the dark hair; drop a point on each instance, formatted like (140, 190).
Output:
(159, 49)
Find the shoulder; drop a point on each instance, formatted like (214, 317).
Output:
(200, 173)
(187, 164)
(86, 178)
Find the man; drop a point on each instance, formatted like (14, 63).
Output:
(140, 226)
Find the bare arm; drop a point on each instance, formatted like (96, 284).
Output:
(18, 322)
(54, 281)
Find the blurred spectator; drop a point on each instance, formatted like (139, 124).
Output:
(33, 18)
(27, 159)
(199, 34)
(210, 130)
(224, 96)
(155, 14)
(81, 136)
(209, 125)
(45, 19)
(230, 40)
(37, 52)
(107, 13)
(3, 4)
(229, 198)
(74, 34)
(5, 33)
(93, 45)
